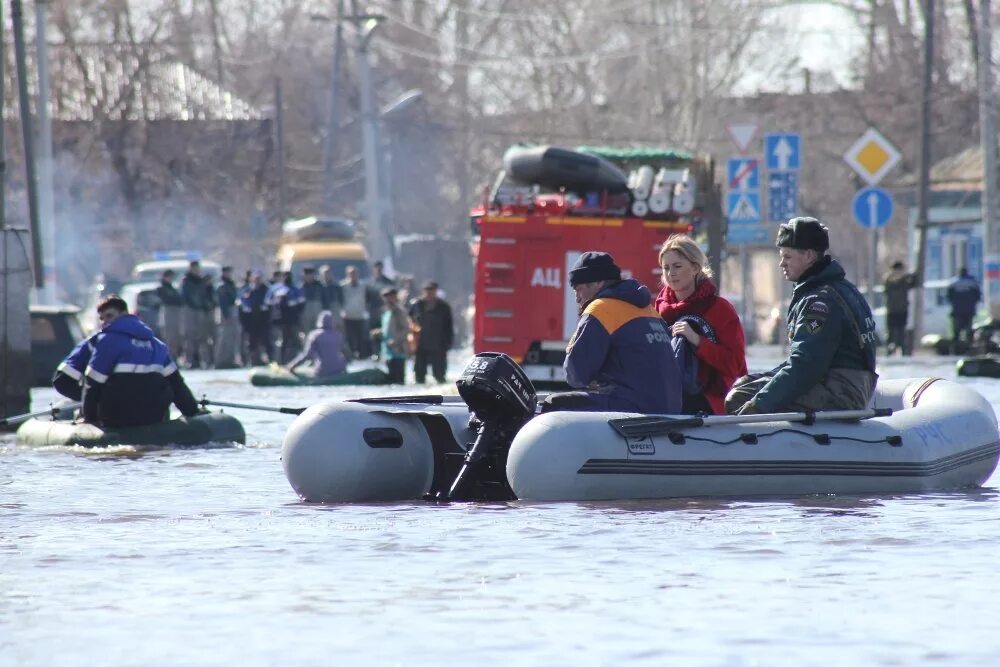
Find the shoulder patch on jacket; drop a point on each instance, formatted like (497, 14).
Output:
(818, 306)
(614, 313)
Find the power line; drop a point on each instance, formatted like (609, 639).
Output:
(590, 56)
(534, 17)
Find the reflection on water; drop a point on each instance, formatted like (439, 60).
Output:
(203, 556)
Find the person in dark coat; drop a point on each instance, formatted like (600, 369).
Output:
(831, 365)
(620, 355)
(312, 294)
(171, 312)
(287, 301)
(228, 329)
(195, 305)
(964, 295)
(896, 286)
(333, 297)
(379, 279)
(123, 374)
(255, 314)
(208, 323)
(436, 333)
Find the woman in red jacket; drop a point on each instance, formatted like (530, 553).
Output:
(690, 303)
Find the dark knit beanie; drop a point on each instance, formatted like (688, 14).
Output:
(593, 266)
(804, 234)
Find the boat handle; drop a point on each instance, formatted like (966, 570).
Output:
(383, 438)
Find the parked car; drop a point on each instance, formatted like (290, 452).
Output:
(143, 302)
(54, 332)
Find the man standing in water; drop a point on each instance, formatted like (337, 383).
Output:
(436, 334)
(171, 312)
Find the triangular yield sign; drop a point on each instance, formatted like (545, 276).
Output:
(743, 134)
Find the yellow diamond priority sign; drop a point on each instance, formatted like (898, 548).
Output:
(872, 156)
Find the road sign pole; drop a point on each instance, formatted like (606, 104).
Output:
(988, 143)
(746, 293)
(872, 263)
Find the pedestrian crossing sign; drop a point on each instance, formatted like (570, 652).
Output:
(743, 207)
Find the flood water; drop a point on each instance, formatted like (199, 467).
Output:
(206, 557)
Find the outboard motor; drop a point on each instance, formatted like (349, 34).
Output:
(501, 399)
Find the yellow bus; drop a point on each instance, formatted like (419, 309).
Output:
(319, 242)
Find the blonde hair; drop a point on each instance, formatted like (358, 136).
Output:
(685, 246)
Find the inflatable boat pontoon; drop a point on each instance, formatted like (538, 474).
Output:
(183, 431)
(269, 377)
(983, 366)
(920, 435)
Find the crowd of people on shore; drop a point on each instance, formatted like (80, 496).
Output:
(280, 320)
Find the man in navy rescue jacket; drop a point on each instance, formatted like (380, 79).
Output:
(123, 374)
(620, 355)
(831, 365)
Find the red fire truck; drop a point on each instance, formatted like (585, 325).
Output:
(526, 237)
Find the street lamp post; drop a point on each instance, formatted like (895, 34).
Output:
(379, 241)
(386, 212)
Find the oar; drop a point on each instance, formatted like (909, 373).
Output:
(430, 399)
(635, 427)
(247, 406)
(433, 399)
(54, 410)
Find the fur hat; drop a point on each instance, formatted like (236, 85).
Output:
(804, 234)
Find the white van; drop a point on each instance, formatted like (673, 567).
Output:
(145, 277)
(937, 310)
(153, 269)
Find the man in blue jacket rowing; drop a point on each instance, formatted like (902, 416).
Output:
(620, 355)
(123, 374)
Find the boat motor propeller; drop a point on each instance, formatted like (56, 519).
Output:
(501, 399)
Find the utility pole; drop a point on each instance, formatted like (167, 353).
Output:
(988, 141)
(279, 125)
(333, 119)
(17, 18)
(46, 203)
(714, 222)
(462, 81)
(15, 285)
(923, 193)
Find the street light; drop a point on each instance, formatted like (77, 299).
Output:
(388, 114)
(378, 234)
(376, 200)
(402, 103)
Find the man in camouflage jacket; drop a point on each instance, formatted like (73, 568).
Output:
(831, 365)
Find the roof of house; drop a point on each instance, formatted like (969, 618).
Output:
(128, 82)
(962, 171)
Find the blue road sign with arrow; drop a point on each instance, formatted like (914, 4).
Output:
(783, 151)
(872, 207)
